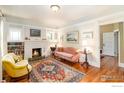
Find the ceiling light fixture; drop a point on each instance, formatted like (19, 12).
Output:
(55, 8)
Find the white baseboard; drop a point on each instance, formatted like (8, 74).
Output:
(121, 64)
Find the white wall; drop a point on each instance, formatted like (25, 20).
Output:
(5, 29)
(0, 54)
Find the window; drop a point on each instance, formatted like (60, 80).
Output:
(55, 36)
(15, 33)
(49, 35)
(15, 36)
(52, 36)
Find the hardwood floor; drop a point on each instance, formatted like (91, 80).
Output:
(108, 72)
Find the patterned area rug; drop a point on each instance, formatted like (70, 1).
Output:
(51, 70)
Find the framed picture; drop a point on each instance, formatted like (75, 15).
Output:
(87, 35)
(72, 37)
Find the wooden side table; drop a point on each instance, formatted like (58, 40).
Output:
(86, 63)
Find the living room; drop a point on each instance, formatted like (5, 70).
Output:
(56, 45)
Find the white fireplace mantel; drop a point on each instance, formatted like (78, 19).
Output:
(29, 45)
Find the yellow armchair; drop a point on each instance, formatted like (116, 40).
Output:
(15, 69)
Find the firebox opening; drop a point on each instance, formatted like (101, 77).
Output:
(36, 52)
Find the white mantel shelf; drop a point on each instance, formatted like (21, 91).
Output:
(36, 41)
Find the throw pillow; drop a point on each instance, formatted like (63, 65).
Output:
(17, 58)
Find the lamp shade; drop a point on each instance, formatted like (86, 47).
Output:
(87, 45)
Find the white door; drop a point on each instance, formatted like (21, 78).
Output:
(108, 43)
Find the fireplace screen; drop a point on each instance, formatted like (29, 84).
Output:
(36, 52)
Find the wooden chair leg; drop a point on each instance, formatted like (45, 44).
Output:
(11, 79)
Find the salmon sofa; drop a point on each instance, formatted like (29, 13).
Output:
(68, 53)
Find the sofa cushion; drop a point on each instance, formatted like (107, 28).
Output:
(69, 50)
(64, 54)
(60, 49)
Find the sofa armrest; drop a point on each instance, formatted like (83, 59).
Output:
(75, 57)
(23, 61)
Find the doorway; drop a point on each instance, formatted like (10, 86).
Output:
(109, 43)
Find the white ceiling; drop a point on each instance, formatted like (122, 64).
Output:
(68, 14)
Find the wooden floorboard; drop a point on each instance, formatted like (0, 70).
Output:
(108, 72)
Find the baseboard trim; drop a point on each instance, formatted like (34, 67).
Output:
(121, 65)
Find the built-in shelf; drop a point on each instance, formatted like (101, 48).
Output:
(17, 48)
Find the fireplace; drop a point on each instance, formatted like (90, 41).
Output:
(36, 52)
